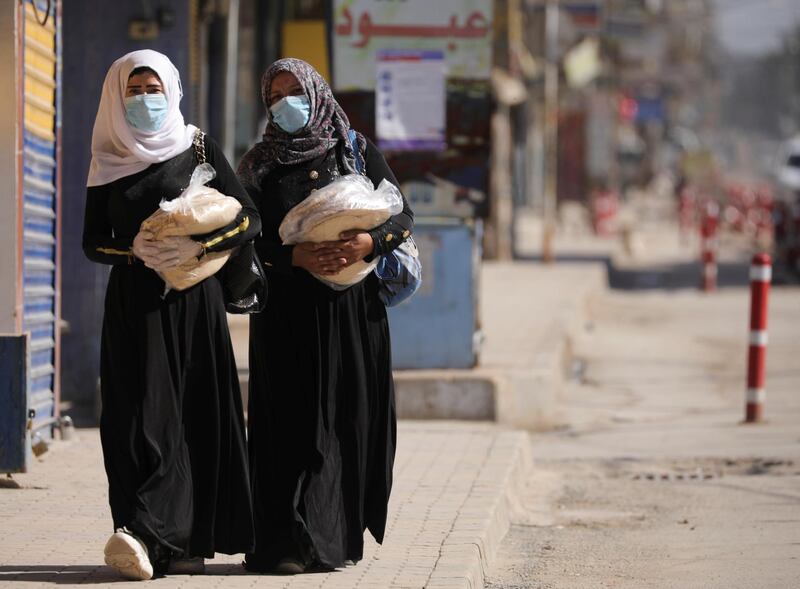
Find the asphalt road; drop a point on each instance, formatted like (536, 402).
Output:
(652, 481)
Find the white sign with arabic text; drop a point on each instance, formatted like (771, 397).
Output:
(410, 100)
(462, 29)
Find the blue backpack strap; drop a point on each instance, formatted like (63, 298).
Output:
(351, 135)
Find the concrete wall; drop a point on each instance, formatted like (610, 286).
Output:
(95, 33)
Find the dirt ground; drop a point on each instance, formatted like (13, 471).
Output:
(653, 482)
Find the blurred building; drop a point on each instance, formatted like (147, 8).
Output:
(30, 229)
(636, 84)
(220, 47)
(631, 75)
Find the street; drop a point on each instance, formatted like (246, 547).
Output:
(653, 482)
(646, 477)
(558, 204)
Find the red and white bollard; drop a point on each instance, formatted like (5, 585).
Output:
(605, 205)
(708, 241)
(686, 209)
(760, 278)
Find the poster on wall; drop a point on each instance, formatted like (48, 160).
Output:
(410, 100)
(461, 29)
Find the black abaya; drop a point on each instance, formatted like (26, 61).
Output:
(172, 426)
(321, 418)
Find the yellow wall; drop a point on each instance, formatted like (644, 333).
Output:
(307, 40)
(40, 71)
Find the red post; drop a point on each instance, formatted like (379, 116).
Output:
(760, 278)
(605, 205)
(686, 209)
(708, 240)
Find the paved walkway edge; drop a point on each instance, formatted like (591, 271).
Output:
(472, 544)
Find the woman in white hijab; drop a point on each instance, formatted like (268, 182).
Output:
(172, 426)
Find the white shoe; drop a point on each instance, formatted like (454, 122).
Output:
(126, 554)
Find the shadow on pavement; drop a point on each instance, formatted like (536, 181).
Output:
(677, 276)
(56, 574)
(91, 575)
(59, 574)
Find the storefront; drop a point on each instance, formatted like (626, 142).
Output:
(30, 209)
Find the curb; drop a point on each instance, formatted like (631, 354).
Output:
(520, 395)
(469, 549)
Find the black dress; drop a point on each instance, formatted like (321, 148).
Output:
(172, 426)
(321, 418)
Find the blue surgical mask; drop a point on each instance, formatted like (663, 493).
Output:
(291, 113)
(146, 112)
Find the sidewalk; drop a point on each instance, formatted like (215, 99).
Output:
(448, 513)
(529, 313)
(455, 482)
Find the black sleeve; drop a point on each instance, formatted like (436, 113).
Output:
(275, 256)
(396, 230)
(247, 224)
(99, 243)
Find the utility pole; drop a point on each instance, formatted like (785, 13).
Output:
(550, 129)
(508, 91)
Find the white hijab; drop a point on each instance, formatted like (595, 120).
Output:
(119, 150)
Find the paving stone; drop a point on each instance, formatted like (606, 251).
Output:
(447, 516)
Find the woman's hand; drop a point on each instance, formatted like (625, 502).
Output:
(331, 257)
(354, 246)
(147, 250)
(166, 253)
(318, 258)
(177, 250)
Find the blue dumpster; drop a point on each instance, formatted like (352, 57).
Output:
(438, 326)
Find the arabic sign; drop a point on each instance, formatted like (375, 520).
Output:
(410, 100)
(585, 16)
(462, 29)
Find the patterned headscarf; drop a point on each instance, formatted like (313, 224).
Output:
(327, 125)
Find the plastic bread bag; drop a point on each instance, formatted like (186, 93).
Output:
(352, 196)
(349, 202)
(199, 209)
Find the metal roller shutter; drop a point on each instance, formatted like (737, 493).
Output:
(40, 279)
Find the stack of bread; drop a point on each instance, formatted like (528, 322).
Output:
(350, 202)
(197, 211)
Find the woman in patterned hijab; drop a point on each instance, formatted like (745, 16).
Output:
(321, 409)
(327, 125)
